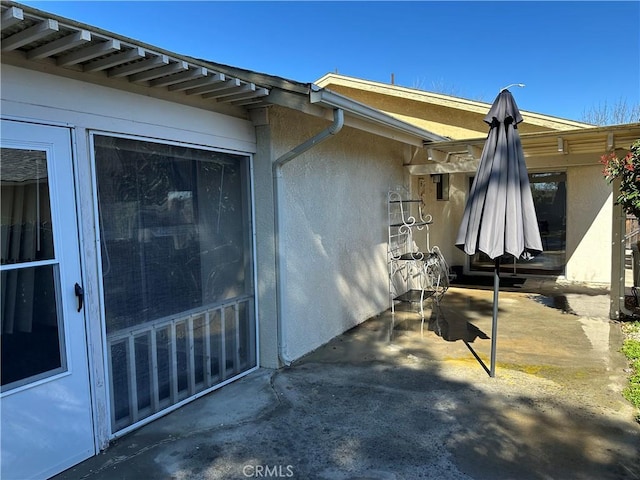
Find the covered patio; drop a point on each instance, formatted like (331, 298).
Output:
(582, 229)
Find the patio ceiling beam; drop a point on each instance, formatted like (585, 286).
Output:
(210, 79)
(232, 83)
(159, 72)
(474, 151)
(594, 141)
(563, 146)
(31, 34)
(249, 101)
(114, 60)
(60, 45)
(437, 155)
(226, 92)
(190, 74)
(136, 67)
(253, 94)
(11, 16)
(88, 53)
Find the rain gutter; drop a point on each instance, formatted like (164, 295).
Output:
(327, 98)
(333, 129)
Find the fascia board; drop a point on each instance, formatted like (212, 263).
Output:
(368, 114)
(449, 101)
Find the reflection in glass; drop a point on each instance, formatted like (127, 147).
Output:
(31, 333)
(177, 271)
(30, 329)
(549, 193)
(26, 214)
(173, 226)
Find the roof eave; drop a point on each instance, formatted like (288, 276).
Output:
(595, 141)
(39, 40)
(370, 115)
(547, 121)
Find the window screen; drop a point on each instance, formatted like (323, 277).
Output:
(176, 264)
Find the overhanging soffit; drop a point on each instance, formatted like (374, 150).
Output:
(595, 140)
(40, 40)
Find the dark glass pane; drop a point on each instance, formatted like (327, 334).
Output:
(176, 249)
(164, 364)
(31, 333)
(120, 383)
(143, 370)
(198, 349)
(550, 199)
(27, 233)
(174, 228)
(182, 357)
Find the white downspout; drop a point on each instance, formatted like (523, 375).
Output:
(335, 127)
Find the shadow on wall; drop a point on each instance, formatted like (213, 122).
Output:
(334, 236)
(588, 205)
(447, 215)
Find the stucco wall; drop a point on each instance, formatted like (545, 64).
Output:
(334, 235)
(447, 214)
(589, 217)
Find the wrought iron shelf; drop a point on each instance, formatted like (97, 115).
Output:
(416, 224)
(412, 256)
(417, 272)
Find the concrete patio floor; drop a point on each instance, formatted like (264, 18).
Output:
(389, 401)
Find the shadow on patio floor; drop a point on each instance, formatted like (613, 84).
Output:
(392, 400)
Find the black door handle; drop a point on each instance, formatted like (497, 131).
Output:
(80, 295)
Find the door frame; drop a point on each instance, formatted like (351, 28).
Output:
(71, 130)
(93, 332)
(88, 135)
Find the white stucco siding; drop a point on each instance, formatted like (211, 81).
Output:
(446, 214)
(588, 229)
(44, 97)
(589, 217)
(334, 235)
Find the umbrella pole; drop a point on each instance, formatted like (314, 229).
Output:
(494, 325)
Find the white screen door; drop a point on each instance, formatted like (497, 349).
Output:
(45, 403)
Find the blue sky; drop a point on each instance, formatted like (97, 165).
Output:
(572, 56)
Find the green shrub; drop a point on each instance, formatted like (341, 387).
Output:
(627, 169)
(631, 350)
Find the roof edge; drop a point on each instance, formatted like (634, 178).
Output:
(328, 98)
(443, 99)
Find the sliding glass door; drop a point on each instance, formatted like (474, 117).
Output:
(175, 229)
(549, 192)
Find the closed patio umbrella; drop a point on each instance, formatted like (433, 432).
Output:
(499, 216)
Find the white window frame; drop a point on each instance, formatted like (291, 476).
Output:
(105, 348)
